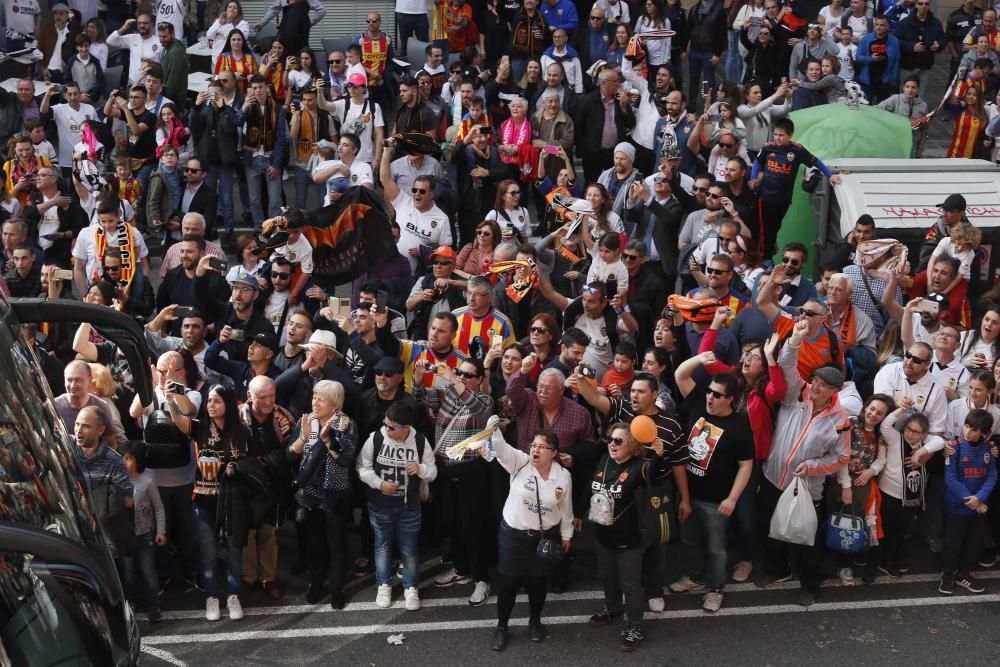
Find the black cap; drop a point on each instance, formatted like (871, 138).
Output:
(268, 339)
(953, 203)
(389, 365)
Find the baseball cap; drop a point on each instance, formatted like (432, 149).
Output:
(443, 251)
(249, 281)
(60, 7)
(953, 203)
(389, 365)
(829, 375)
(268, 339)
(357, 79)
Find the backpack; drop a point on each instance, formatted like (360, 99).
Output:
(166, 446)
(356, 126)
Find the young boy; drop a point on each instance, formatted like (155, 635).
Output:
(43, 147)
(961, 244)
(354, 64)
(298, 251)
(129, 188)
(476, 117)
(970, 473)
(608, 262)
(846, 51)
(618, 378)
(910, 106)
(150, 529)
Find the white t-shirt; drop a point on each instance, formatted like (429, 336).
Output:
(600, 270)
(138, 49)
(171, 11)
(99, 50)
(858, 25)
(598, 354)
(519, 220)
(300, 252)
(56, 61)
(418, 228)
(218, 35)
(411, 6)
(45, 149)
(831, 23)
(239, 272)
(20, 18)
(274, 308)
(981, 347)
(361, 173)
(68, 122)
(846, 55)
(49, 224)
(85, 248)
(946, 247)
(370, 116)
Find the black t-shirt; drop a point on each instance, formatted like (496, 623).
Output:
(716, 445)
(878, 67)
(143, 146)
(621, 481)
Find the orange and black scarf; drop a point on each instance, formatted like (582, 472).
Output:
(127, 248)
(261, 127)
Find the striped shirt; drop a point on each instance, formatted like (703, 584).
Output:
(675, 449)
(106, 467)
(469, 411)
(413, 352)
(494, 323)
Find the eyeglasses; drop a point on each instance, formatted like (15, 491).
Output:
(807, 312)
(113, 268)
(616, 441)
(442, 262)
(242, 288)
(538, 330)
(418, 191)
(281, 275)
(596, 18)
(479, 295)
(915, 359)
(716, 272)
(536, 445)
(763, 33)
(659, 179)
(393, 427)
(484, 232)
(716, 394)
(466, 374)
(914, 431)
(191, 170)
(333, 62)
(630, 258)
(753, 357)
(722, 145)
(387, 374)
(791, 261)
(701, 190)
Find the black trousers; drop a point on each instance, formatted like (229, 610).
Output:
(895, 522)
(777, 554)
(327, 552)
(963, 539)
(464, 501)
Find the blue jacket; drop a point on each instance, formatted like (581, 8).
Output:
(563, 15)
(864, 59)
(971, 471)
(910, 31)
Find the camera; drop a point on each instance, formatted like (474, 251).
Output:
(237, 334)
(431, 368)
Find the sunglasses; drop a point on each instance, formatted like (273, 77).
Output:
(386, 374)
(630, 258)
(466, 374)
(596, 18)
(722, 145)
(807, 312)
(113, 268)
(370, 21)
(189, 170)
(393, 427)
(659, 179)
(441, 262)
(484, 232)
(791, 261)
(915, 359)
(701, 190)
(538, 330)
(514, 193)
(592, 290)
(712, 195)
(716, 272)
(716, 394)
(418, 191)
(616, 441)
(333, 62)
(281, 275)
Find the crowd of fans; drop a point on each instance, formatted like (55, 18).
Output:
(535, 311)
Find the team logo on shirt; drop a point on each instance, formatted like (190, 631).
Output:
(155, 47)
(434, 224)
(291, 256)
(623, 477)
(559, 493)
(919, 400)
(790, 156)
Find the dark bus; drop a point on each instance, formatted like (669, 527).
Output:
(61, 601)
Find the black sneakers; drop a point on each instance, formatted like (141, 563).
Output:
(605, 617)
(499, 638)
(631, 638)
(968, 583)
(536, 631)
(947, 585)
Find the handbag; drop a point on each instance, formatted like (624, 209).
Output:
(658, 512)
(548, 550)
(117, 521)
(845, 532)
(166, 446)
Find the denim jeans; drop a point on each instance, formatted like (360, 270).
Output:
(141, 580)
(746, 517)
(208, 541)
(700, 68)
(256, 171)
(304, 185)
(143, 175)
(398, 526)
(221, 178)
(734, 61)
(706, 529)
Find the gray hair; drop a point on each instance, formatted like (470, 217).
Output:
(638, 246)
(331, 390)
(505, 251)
(552, 372)
(549, 93)
(519, 100)
(20, 224)
(195, 216)
(843, 277)
(480, 281)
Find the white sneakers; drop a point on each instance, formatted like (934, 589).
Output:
(742, 571)
(212, 609)
(686, 585)
(234, 607)
(412, 598)
(712, 602)
(656, 605)
(450, 578)
(479, 594)
(383, 598)
(846, 576)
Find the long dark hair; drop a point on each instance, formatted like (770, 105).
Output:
(314, 72)
(975, 333)
(233, 435)
(229, 41)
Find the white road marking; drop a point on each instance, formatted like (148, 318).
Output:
(165, 656)
(347, 631)
(324, 608)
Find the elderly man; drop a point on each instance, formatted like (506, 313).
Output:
(820, 346)
(55, 41)
(55, 216)
(77, 397)
(17, 107)
(192, 224)
(852, 326)
(592, 41)
(609, 116)
(912, 378)
(479, 323)
(270, 427)
(807, 444)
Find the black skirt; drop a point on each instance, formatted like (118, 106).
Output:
(518, 552)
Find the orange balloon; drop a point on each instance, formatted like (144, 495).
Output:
(643, 429)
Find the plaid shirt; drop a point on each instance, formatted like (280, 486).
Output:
(475, 409)
(572, 423)
(861, 299)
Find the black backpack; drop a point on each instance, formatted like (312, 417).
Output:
(166, 446)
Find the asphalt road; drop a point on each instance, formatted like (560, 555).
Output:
(893, 622)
